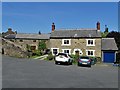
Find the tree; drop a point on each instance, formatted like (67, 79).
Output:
(106, 29)
(104, 34)
(42, 45)
(116, 35)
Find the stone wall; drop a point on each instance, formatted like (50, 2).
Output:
(11, 49)
(29, 42)
(77, 44)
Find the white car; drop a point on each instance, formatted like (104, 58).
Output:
(63, 58)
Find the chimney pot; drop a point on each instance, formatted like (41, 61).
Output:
(98, 25)
(9, 29)
(53, 27)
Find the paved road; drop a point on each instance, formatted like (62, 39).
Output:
(29, 73)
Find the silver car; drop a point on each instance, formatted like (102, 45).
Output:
(84, 60)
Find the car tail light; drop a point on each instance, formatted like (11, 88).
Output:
(80, 60)
(89, 60)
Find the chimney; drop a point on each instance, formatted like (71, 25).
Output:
(106, 29)
(53, 27)
(9, 29)
(98, 26)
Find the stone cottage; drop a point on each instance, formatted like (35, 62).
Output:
(81, 41)
(86, 42)
(24, 39)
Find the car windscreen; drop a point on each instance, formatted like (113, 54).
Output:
(62, 54)
(84, 57)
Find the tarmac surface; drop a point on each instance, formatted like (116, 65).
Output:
(35, 73)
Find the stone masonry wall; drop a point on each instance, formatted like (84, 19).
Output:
(77, 44)
(11, 49)
(29, 42)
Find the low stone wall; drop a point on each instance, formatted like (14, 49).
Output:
(11, 49)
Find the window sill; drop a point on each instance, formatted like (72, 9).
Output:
(90, 45)
(91, 55)
(65, 45)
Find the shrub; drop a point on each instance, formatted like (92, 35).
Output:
(75, 58)
(50, 56)
(98, 59)
(37, 53)
(94, 60)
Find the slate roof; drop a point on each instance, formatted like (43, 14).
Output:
(33, 36)
(28, 36)
(75, 33)
(109, 44)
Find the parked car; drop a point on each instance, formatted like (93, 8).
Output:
(63, 58)
(84, 60)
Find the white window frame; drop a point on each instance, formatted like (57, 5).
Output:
(90, 44)
(90, 50)
(66, 44)
(66, 49)
(55, 48)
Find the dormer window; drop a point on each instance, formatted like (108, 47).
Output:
(66, 42)
(90, 42)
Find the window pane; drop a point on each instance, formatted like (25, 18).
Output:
(88, 41)
(88, 52)
(91, 42)
(66, 41)
(55, 51)
(91, 53)
(66, 51)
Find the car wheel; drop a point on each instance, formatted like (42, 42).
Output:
(89, 65)
(71, 63)
(78, 64)
(56, 62)
(68, 63)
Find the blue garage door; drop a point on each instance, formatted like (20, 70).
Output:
(109, 57)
